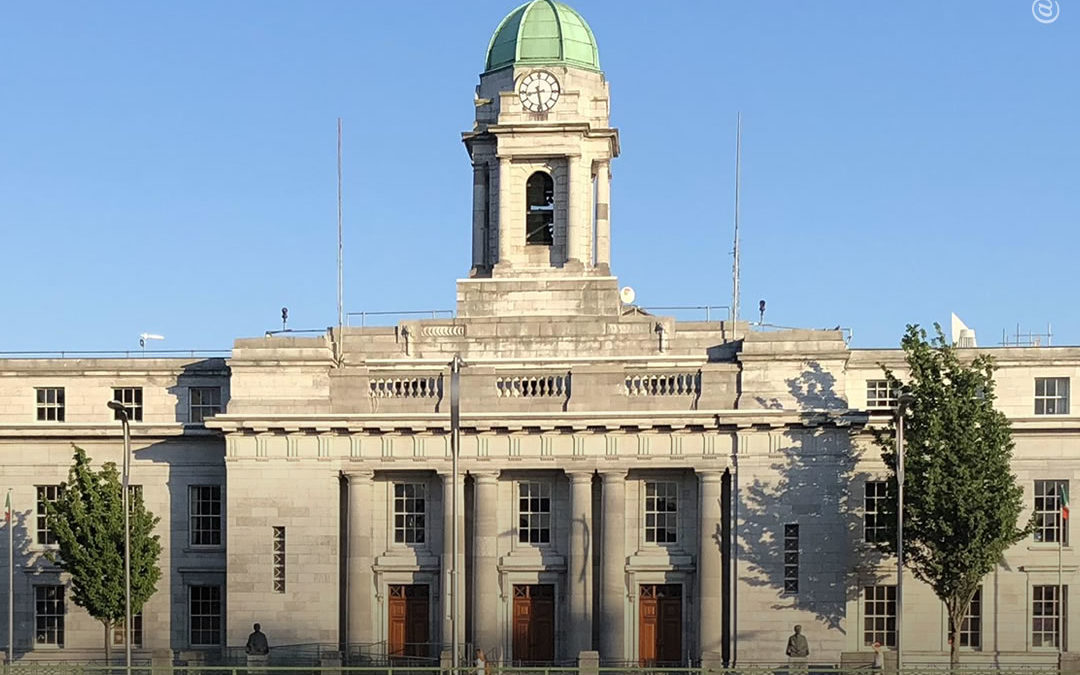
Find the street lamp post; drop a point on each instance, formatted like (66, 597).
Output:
(123, 413)
(901, 406)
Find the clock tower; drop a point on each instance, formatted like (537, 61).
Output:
(541, 149)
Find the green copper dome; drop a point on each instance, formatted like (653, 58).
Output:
(543, 32)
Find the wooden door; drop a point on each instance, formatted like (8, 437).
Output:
(660, 624)
(534, 624)
(410, 623)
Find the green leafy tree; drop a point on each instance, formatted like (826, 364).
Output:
(962, 503)
(88, 520)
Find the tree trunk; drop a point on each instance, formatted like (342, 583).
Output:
(954, 641)
(108, 644)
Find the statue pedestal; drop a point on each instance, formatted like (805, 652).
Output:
(797, 665)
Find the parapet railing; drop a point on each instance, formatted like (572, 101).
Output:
(116, 354)
(425, 313)
(56, 668)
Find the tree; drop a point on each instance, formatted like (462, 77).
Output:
(88, 520)
(962, 503)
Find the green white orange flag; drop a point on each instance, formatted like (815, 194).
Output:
(7, 508)
(1063, 495)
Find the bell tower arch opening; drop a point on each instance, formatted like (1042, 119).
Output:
(539, 209)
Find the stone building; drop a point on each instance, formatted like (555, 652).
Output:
(654, 490)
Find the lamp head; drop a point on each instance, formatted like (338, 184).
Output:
(115, 405)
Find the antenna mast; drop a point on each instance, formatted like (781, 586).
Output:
(735, 265)
(340, 249)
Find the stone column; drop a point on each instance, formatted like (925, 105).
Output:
(613, 572)
(709, 569)
(480, 211)
(485, 581)
(603, 222)
(447, 539)
(579, 571)
(577, 210)
(510, 229)
(361, 622)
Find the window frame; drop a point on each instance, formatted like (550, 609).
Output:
(792, 554)
(1053, 513)
(136, 631)
(1046, 404)
(404, 500)
(279, 558)
(539, 521)
(57, 406)
(132, 400)
(1059, 619)
(885, 635)
(880, 490)
(41, 522)
(203, 407)
(540, 210)
(192, 616)
(194, 519)
(42, 619)
(881, 396)
(670, 515)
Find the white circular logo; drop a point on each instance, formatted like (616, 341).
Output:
(1046, 11)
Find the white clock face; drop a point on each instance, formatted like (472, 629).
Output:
(539, 91)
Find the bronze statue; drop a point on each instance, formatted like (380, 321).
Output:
(797, 646)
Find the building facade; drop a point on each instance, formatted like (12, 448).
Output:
(654, 490)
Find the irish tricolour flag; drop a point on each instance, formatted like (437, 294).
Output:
(1063, 495)
(7, 508)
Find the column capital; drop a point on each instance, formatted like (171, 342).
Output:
(710, 475)
(485, 477)
(611, 475)
(358, 475)
(580, 475)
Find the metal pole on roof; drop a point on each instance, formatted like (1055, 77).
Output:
(340, 247)
(735, 264)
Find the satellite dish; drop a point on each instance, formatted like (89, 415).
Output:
(627, 295)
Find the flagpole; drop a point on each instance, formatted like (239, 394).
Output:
(11, 582)
(1063, 513)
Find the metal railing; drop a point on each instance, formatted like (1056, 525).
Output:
(426, 313)
(712, 312)
(44, 668)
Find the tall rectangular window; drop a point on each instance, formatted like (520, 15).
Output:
(204, 515)
(136, 631)
(50, 404)
(791, 558)
(880, 395)
(534, 513)
(1051, 396)
(279, 559)
(873, 525)
(204, 402)
(410, 513)
(131, 399)
(879, 615)
(1047, 615)
(661, 512)
(971, 626)
(204, 615)
(49, 615)
(1048, 522)
(46, 493)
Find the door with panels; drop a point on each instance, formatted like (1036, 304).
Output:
(660, 628)
(409, 636)
(534, 624)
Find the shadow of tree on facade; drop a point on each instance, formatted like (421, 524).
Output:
(811, 480)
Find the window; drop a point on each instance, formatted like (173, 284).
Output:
(205, 402)
(971, 626)
(410, 509)
(661, 512)
(1048, 523)
(879, 615)
(880, 395)
(279, 559)
(204, 511)
(1051, 396)
(50, 404)
(534, 513)
(791, 558)
(131, 399)
(873, 525)
(1046, 615)
(46, 493)
(136, 631)
(204, 615)
(49, 615)
(539, 209)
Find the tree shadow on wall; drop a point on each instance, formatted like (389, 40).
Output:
(812, 480)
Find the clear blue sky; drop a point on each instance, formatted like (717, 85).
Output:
(170, 166)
